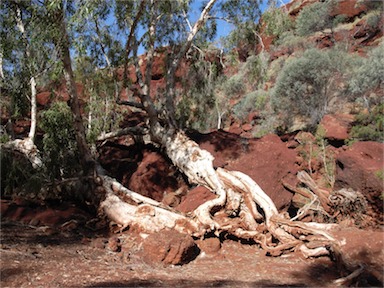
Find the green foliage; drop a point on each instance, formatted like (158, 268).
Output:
(196, 109)
(305, 85)
(313, 18)
(101, 88)
(369, 74)
(267, 125)
(15, 46)
(255, 68)
(60, 154)
(277, 21)
(369, 126)
(250, 102)
(373, 18)
(244, 14)
(293, 42)
(235, 85)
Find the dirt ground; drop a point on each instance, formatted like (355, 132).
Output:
(73, 255)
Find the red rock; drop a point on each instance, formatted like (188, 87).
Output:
(169, 247)
(337, 126)
(246, 127)
(209, 245)
(194, 199)
(294, 7)
(253, 116)
(114, 244)
(43, 98)
(235, 128)
(21, 126)
(349, 8)
(269, 162)
(154, 176)
(360, 167)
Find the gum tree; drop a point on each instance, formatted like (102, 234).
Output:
(239, 200)
(26, 54)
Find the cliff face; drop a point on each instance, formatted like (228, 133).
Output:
(354, 28)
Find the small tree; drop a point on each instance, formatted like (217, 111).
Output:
(313, 18)
(306, 85)
(59, 143)
(276, 21)
(368, 77)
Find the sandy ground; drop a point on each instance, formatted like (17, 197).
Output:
(48, 257)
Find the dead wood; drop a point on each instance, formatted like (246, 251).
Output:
(27, 147)
(234, 211)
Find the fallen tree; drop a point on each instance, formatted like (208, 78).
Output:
(241, 208)
(235, 210)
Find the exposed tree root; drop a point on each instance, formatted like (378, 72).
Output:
(336, 205)
(234, 211)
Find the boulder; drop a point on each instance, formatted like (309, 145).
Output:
(269, 162)
(349, 8)
(194, 199)
(169, 247)
(360, 167)
(336, 126)
(43, 98)
(154, 176)
(209, 245)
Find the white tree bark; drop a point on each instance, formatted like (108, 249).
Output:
(32, 82)
(1, 64)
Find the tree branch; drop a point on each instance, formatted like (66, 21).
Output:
(130, 38)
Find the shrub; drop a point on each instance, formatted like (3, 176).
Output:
(19, 177)
(306, 85)
(255, 68)
(59, 143)
(369, 126)
(369, 75)
(196, 108)
(251, 101)
(234, 85)
(276, 21)
(293, 42)
(313, 18)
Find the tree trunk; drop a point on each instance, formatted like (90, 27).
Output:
(63, 44)
(25, 146)
(32, 82)
(235, 209)
(1, 64)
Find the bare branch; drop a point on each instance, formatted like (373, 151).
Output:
(186, 20)
(130, 103)
(122, 132)
(130, 39)
(199, 23)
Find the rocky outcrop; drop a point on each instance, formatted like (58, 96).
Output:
(360, 167)
(336, 128)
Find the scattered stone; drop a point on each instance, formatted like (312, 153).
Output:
(337, 126)
(209, 245)
(114, 244)
(169, 247)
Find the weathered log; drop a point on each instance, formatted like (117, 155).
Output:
(28, 148)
